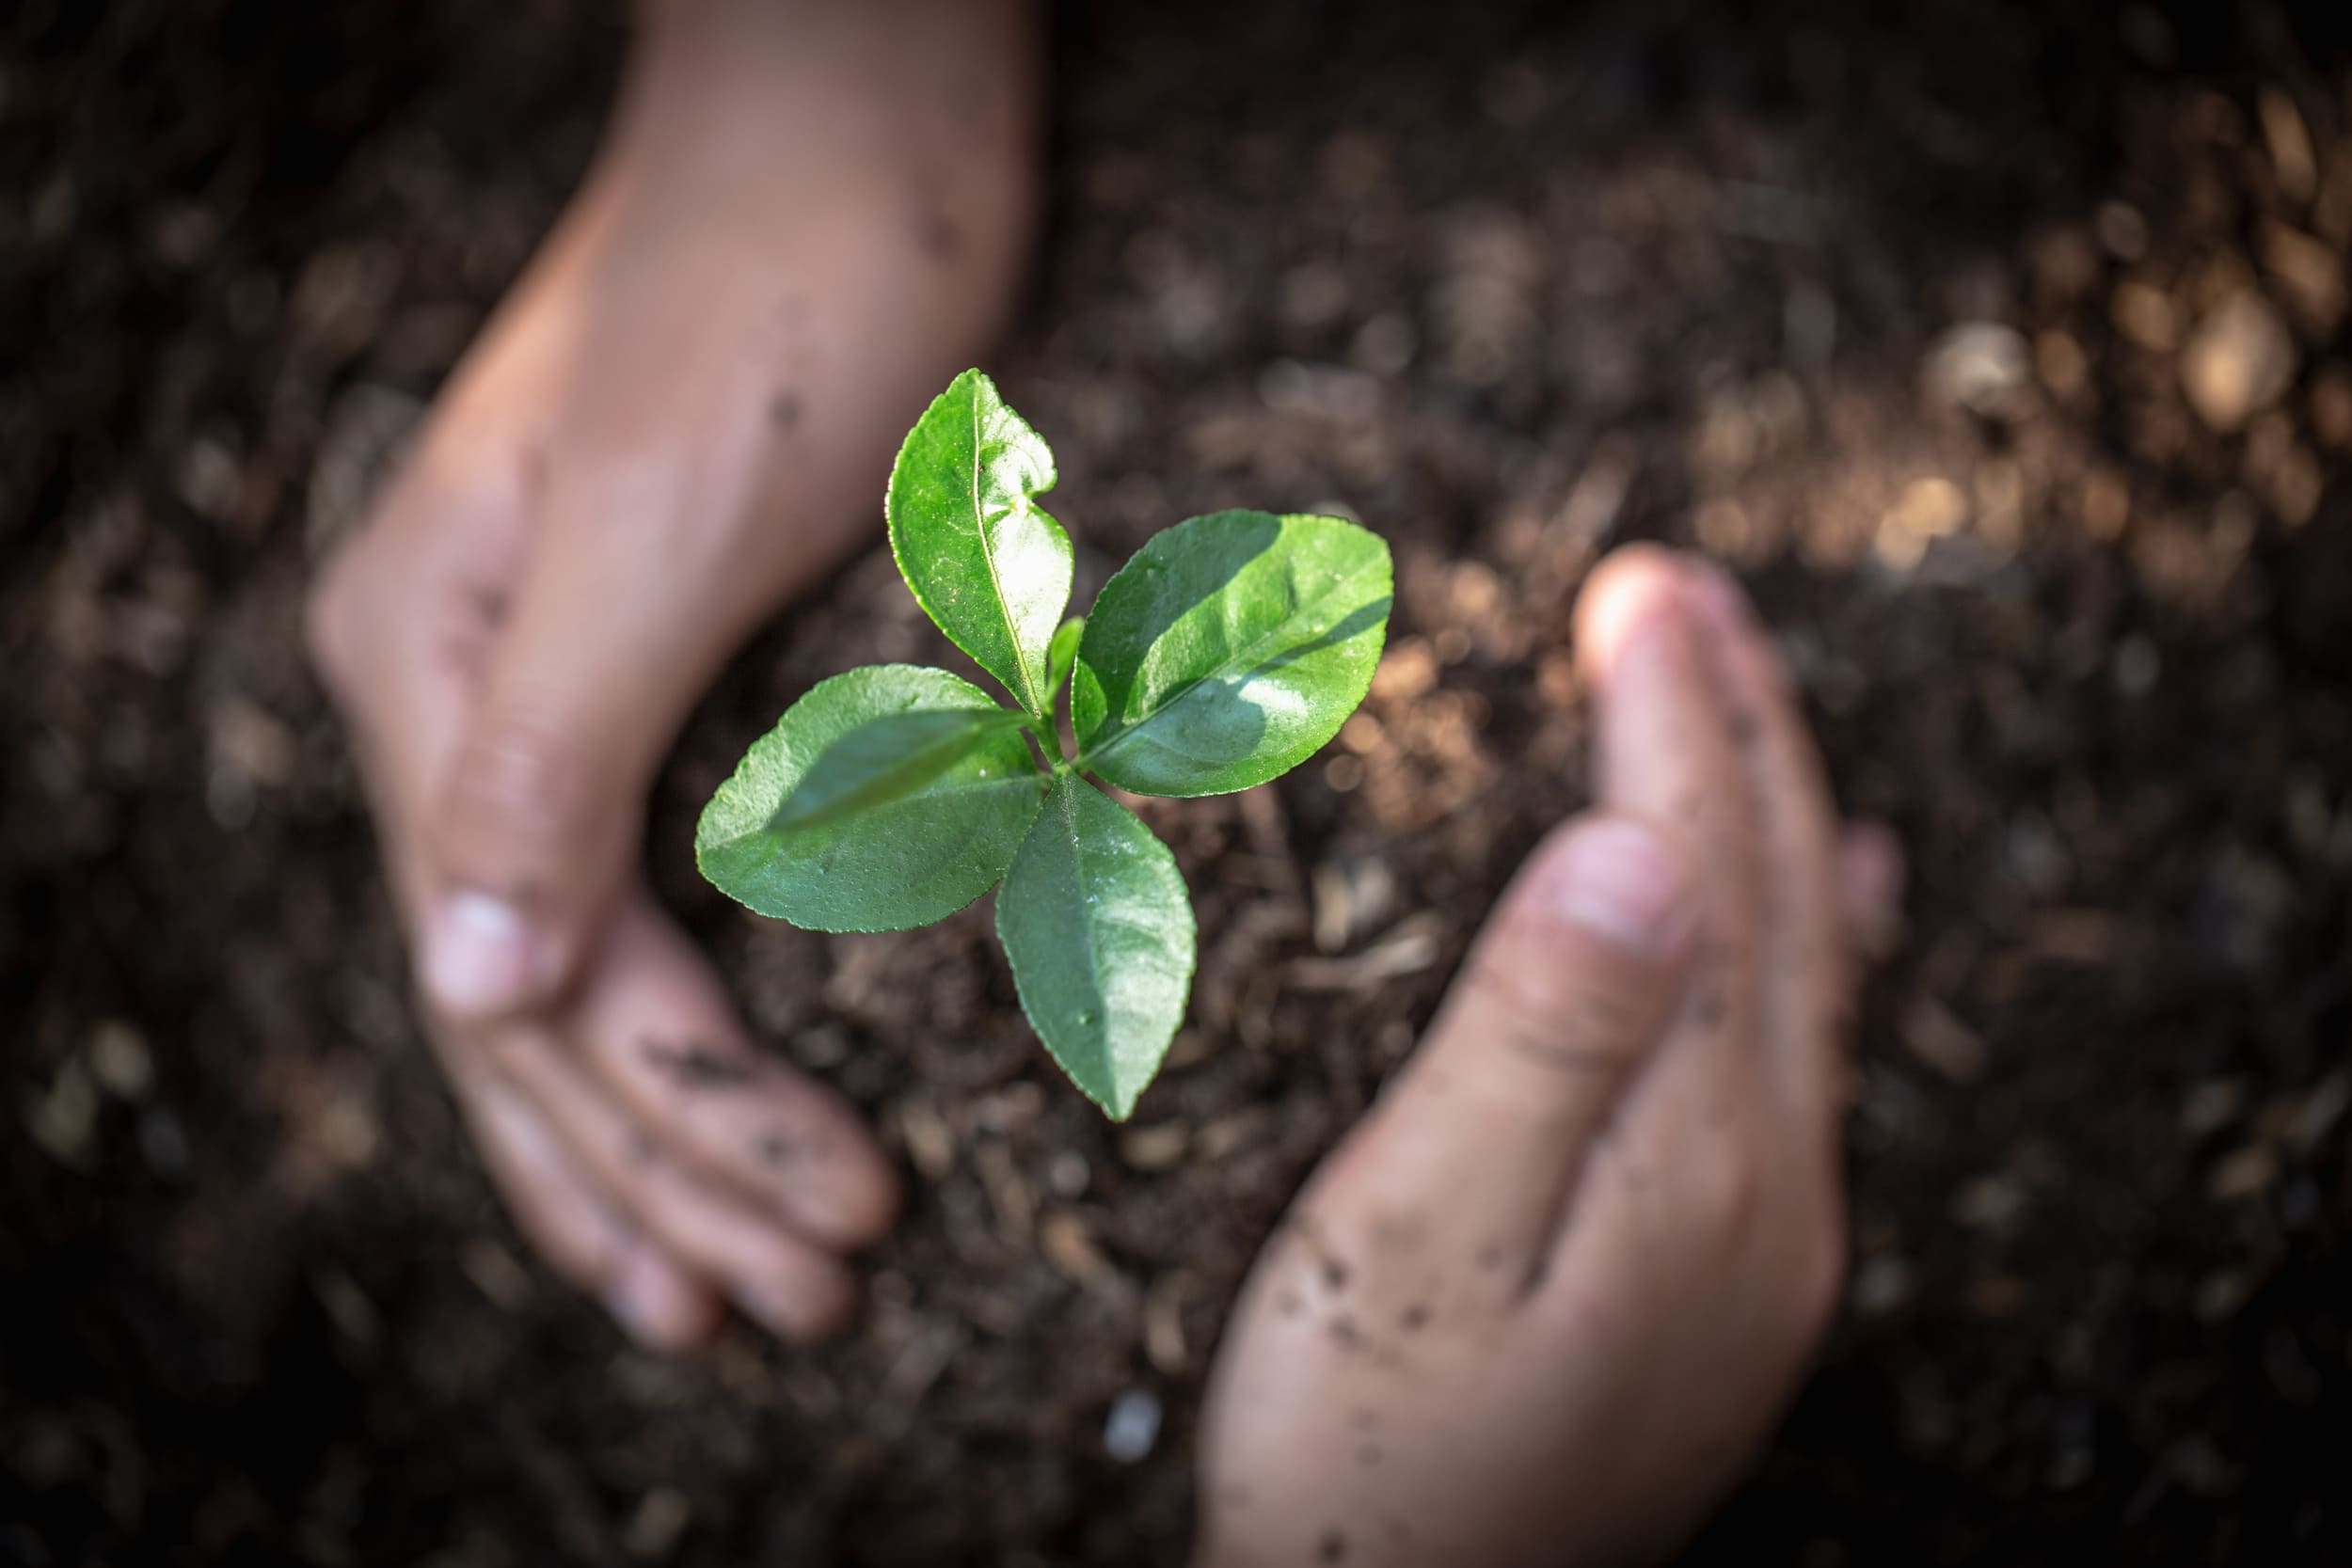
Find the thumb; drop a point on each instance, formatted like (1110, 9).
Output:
(1555, 1011)
(537, 822)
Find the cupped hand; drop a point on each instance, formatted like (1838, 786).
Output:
(1544, 1303)
(682, 414)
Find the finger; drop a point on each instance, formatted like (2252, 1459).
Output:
(1870, 888)
(616, 625)
(1668, 755)
(790, 1284)
(400, 624)
(1805, 966)
(583, 1238)
(1558, 1004)
(659, 1031)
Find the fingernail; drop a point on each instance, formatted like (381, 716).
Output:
(787, 1317)
(632, 1303)
(1620, 882)
(481, 955)
(643, 1299)
(769, 1309)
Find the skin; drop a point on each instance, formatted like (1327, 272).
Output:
(1538, 1308)
(1544, 1303)
(804, 220)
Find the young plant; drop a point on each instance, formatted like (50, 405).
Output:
(1228, 651)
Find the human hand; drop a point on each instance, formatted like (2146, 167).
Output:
(1542, 1304)
(681, 415)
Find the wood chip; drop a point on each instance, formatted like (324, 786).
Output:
(1156, 1148)
(2212, 1105)
(929, 1144)
(2249, 1172)
(2289, 142)
(2320, 1112)
(1412, 945)
(1007, 1191)
(1992, 1204)
(1935, 1036)
(1069, 1246)
(1164, 1323)
(1227, 1135)
(496, 1274)
(63, 1120)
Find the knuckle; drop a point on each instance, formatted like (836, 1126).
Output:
(1585, 1003)
(522, 774)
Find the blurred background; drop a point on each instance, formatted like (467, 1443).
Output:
(2000, 346)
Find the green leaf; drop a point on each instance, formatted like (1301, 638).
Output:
(1063, 653)
(886, 758)
(986, 563)
(873, 846)
(1097, 923)
(1228, 651)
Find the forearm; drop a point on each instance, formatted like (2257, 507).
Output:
(822, 210)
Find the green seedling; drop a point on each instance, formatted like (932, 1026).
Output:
(1228, 651)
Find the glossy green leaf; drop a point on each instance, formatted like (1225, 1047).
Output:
(1063, 654)
(985, 561)
(875, 846)
(1097, 923)
(1228, 650)
(887, 758)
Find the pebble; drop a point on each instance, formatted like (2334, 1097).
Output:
(1133, 1426)
(1881, 1286)
(348, 1132)
(1990, 1203)
(2121, 230)
(162, 1143)
(1983, 366)
(2238, 362)
(2137, 666)
(1068, 1174)
(118, 1059)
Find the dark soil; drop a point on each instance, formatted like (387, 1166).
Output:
(1508, 286)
